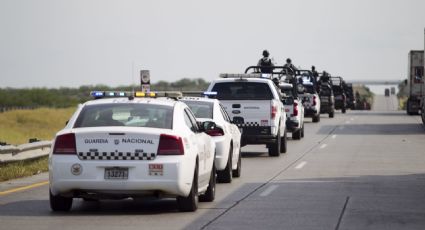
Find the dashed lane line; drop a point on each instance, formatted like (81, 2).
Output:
(269, 190)
(323, 146)
(301, 165)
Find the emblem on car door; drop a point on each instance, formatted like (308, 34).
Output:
(116, 142)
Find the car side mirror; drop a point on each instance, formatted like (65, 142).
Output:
(211, 128)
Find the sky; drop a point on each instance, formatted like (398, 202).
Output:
(69, 43)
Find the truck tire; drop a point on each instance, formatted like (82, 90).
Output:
(343, 110)
(316, 118)
(60, 203)
(190, 203)
(331, 114)
(225, 175)
(296, 135)
(209, 195)
(284, 143)
(302, 131)
(274, 148)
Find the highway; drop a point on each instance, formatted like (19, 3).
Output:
(359, 170)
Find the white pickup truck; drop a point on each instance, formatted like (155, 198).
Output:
(310, 99)
(254, 105)
(294, 110)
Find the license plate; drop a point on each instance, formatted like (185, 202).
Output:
(116, 173)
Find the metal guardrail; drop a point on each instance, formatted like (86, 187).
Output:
(29, 151)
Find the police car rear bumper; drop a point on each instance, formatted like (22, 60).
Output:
(175, 179)
(257, 135)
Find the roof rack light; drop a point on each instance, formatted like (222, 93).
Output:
(240, 75)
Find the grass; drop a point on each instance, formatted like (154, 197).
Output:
(23, 168)
(17, 126)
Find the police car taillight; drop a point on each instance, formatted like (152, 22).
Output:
(295, 109)
(65, 144)
(170, 145)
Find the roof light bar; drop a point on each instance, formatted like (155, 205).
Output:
(209, 93)
(240, 75)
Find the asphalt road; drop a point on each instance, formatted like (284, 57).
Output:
(359, 170)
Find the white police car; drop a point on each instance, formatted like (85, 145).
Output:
(227, 136)
(132, 146)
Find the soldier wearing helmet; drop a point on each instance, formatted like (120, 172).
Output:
(265, 63)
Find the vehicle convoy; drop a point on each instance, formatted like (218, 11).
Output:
(351, 100)
(387, 92)
(415, 81)
(339, 93)
(293, 108)
(327, 99)
(254, 104)
(227, 139)
(127, 144)
(308, 94)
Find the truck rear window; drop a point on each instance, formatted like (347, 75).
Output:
(242, 91)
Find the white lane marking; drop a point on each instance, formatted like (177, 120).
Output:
(352, 119)
(323, 146)
(269, 190)
(334, 136)
(301, 165)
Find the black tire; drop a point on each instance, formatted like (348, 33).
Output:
(296, 135)
(332, 114)
(283, 143)
(274, 148)
(343, 110)
(60, 203)
(237, 172)
(225, 175)
(302, 131)
(316, 118)
(190, 203)
(209, 195)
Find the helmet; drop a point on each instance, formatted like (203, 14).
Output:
(266, 53)
(288, 61)
(275, 81)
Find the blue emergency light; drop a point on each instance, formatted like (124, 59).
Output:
(97, 94)
(209, 93)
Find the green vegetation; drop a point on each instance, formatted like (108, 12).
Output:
(70, 97)
(23, 168)
(403, 94)
(17, 126)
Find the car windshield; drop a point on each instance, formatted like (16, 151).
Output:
(201, 109)
(242, 91)
(131, 115)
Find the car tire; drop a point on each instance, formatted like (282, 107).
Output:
(225, 175)
(284, 143)
(332, 114)
(343, 110)
(60, 203)
(238, 170)
(190, 203)
(209, 195)
(274, 148)
(296, 135)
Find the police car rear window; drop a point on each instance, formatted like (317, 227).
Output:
(242, 91)
(201, 109)
(129, 115)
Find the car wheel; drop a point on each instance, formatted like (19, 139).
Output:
(209, 195)
(60, 203)
(283, 143)
(225, 175)
(237, 171)
(190, 203)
